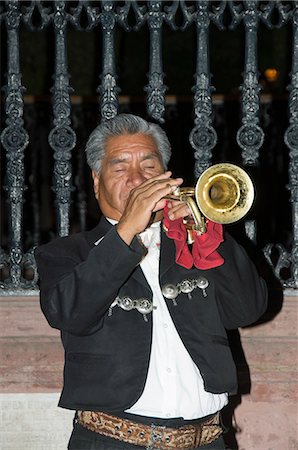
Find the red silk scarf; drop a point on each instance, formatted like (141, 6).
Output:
(203, 254)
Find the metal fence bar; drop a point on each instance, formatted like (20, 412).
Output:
(108, 17)
(291, 140)
(155, 89)
(14, 139)
(203, 136)
(250, 136)
(62, 138)
(285, 258)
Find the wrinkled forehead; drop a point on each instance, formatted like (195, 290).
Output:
(129, 145)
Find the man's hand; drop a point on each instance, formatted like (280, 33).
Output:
(144, 200)
(178, 209)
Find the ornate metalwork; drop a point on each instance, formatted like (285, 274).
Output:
(291, 140)
(108, 17)
(286, 259)
(155, 16)
(43, 12)
(18, 265)
(62, 138)
(250, 136)
(283, 260)
(14, 139)
(203, 136)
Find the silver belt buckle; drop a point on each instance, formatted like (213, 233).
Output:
(156, 437)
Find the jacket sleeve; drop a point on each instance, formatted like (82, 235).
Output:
(241, 293)
(76, 293)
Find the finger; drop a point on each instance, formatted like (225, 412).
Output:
(152, 199)
(163, 187)
(158, 178)
(161, 190)
(179, 211)
(159, 205)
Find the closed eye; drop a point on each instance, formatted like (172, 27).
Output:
(149, 165)
(119, 168)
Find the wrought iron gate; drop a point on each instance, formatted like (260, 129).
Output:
(106, 16)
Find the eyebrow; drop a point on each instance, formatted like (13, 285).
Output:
(124, 159)
(151, 156)
(117, 161)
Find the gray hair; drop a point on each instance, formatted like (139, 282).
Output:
(124, 124)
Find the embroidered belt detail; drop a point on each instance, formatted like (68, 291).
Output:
(152, 437)
(171, 291)
(142, 305)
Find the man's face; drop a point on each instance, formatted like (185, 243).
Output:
(130, 159)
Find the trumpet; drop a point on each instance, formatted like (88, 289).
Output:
(224, 193)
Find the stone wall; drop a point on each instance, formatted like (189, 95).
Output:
(263, 417)
(266, 414)
(32, 421)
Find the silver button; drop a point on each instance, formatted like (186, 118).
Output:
(170, 291)
(126, 303)
(186, 286)
(203, 283)
(144, 305)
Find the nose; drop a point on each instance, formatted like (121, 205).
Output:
(135, 178)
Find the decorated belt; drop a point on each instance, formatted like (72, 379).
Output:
(152, 437)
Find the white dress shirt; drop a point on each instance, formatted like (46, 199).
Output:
(174, 386)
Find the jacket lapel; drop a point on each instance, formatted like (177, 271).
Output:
(98, 232)
(139, 276)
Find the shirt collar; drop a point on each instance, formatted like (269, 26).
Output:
(146, 235)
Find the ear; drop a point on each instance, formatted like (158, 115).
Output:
(96, 184)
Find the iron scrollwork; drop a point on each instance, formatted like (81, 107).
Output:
(155, 14)
(284, 259)
(291, 140)
(203, 136)
(15, 139)
(62, 138)
(250, 136)
(108, 17)
(42, 11)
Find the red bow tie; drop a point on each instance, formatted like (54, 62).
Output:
(203, 254)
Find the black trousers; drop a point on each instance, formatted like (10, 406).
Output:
(83, 439)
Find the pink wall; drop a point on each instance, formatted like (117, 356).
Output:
(265, 417)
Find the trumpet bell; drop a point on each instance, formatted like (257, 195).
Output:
(224, 193)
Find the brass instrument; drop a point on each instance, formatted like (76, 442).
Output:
(224, 193)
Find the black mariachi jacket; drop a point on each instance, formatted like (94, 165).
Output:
(107, 356)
